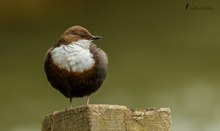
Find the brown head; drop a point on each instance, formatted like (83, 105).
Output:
(76, 33)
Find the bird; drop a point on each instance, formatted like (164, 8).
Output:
(74, 65)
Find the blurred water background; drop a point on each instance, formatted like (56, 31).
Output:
(160, 54)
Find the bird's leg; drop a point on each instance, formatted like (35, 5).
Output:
(87, 102)
(70, 104)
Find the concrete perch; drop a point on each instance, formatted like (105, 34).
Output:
(108, 118)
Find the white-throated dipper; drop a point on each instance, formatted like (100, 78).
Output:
(74, 65)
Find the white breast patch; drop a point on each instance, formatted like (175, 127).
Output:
(74, 57)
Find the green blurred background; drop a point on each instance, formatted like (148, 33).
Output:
(160, 55)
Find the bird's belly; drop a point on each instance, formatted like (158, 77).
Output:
(75, 84)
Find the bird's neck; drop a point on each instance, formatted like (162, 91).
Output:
(83, 43)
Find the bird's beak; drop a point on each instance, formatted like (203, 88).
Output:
(96, 37)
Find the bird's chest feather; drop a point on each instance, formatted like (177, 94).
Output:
(73, 57)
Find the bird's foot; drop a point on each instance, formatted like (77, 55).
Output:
(87, 102)
(70, 104)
